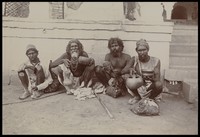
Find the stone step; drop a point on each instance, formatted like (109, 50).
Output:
(195, 44)
(191, 81)
(185, 27)
(191, 74)
(175, 74)
(184, 55)
(191, 68)
(184, 49)
(183, 59)
(190, 71)
(185, 32)
(190, 90)
(182, 22)
(180, 74)
(184, 39)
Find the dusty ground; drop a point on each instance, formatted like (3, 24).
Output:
(62, 114)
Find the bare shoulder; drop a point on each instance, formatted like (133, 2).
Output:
(108, 55)
(127, 56)
(64, 55)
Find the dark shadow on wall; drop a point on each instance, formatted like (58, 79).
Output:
(179, 12)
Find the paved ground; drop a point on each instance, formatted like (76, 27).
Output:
(62, 114)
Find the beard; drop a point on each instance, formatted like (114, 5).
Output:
(74, 54)
(115, 53)
(143, 58)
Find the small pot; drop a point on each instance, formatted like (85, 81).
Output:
(134, 81)
(84, 60)
(148, 74)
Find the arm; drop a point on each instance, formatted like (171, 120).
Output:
(129, 64)
(59, 60)
(107, 58)
(157, 71)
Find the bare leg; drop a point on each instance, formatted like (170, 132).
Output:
(59, 72)
(157, 89)
(102, 76)
(40, 76)
(24, 80)
(87, 75)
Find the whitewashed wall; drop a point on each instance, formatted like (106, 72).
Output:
(51, 38)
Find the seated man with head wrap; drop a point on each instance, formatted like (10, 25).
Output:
(115, 61)
(148, 68)
(76, 64)
(36, 76)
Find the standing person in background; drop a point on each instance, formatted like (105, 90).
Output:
(131, 10)
(164, 13)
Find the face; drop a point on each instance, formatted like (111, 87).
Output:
(142, 52)
(32, 55)
(74, 50)
(115, 48)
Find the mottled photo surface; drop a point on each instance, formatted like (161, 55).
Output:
(106, 68)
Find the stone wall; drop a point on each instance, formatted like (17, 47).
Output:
(51, 38)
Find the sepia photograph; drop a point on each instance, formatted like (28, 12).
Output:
(100, 68)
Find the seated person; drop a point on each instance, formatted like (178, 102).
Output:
(35, 76)
(148, 68)
(114, 63)
(75, 61)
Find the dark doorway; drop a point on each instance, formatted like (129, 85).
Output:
(179, 12)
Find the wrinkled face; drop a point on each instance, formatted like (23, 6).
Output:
(115, 48)
(142, 52)
(74, 51)
(32, 55)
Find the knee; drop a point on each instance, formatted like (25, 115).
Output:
(158, 85)
(56, 70)
(22, 74)
(91, 67)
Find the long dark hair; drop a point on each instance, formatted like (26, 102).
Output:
(80, 46)
(118, 40)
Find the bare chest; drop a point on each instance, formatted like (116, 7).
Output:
(118, 63)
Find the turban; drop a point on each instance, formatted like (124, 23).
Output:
(142, 42)
(30, 47)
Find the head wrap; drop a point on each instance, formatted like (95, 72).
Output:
(31, 47)
(142, 42)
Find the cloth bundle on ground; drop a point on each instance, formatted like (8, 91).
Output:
(73, 86)
(146, 107)
(87, 93)
(115, 87)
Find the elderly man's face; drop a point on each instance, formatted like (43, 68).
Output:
(32, 55)
(142, 52)
(74, 50)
